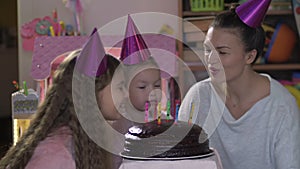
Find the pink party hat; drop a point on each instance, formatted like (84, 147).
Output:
(92, 60)
(253, 12)
(134, 49)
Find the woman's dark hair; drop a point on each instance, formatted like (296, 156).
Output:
(252, 38)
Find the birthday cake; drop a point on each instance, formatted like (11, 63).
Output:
(168, 139)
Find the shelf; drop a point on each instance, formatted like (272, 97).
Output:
(194, 66)
(280, 12)
(286, 10)
(277, 67)
(192, 14)
(214, 13)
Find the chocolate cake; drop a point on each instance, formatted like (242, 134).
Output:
(168, 139)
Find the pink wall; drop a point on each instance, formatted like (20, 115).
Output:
(97, 13)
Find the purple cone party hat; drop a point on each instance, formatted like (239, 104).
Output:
(253, 12)
(92, 60)
(134, 49)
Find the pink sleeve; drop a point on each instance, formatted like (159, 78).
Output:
(53, 153)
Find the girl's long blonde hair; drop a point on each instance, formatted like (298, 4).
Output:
(55, 111)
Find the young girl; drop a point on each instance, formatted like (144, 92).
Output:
(259, 126)
(55, 138)
(142, 74)
(144, 87)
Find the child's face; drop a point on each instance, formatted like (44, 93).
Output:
(145, 86)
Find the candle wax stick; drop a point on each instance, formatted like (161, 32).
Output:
(172, 97)
(176, 112)
(168, 109)
(159, 113)
(155, 111)
(146, 111)
(191, 113)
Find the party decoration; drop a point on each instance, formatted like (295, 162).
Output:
(296, 11)
(295, 92)
(22, 103)
(42, 27)
(281, 45)
(134, 49)
(92, 59)
(35, 28)
(76, 8)
(253, 12)
(15, 83)
(62, 27)
(24, 100)
(51, 29)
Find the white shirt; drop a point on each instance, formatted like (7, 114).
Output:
(267, 136)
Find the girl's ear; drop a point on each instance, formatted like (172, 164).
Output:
(250, 56)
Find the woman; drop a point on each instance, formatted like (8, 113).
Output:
(252, 119)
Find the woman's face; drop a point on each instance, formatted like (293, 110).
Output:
(145, 87)
(112, 97)
(224, 53)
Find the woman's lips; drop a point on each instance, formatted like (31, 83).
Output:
(213, 70)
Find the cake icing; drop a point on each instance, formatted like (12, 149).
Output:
(166, 140)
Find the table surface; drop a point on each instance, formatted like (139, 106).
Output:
(210, 162)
